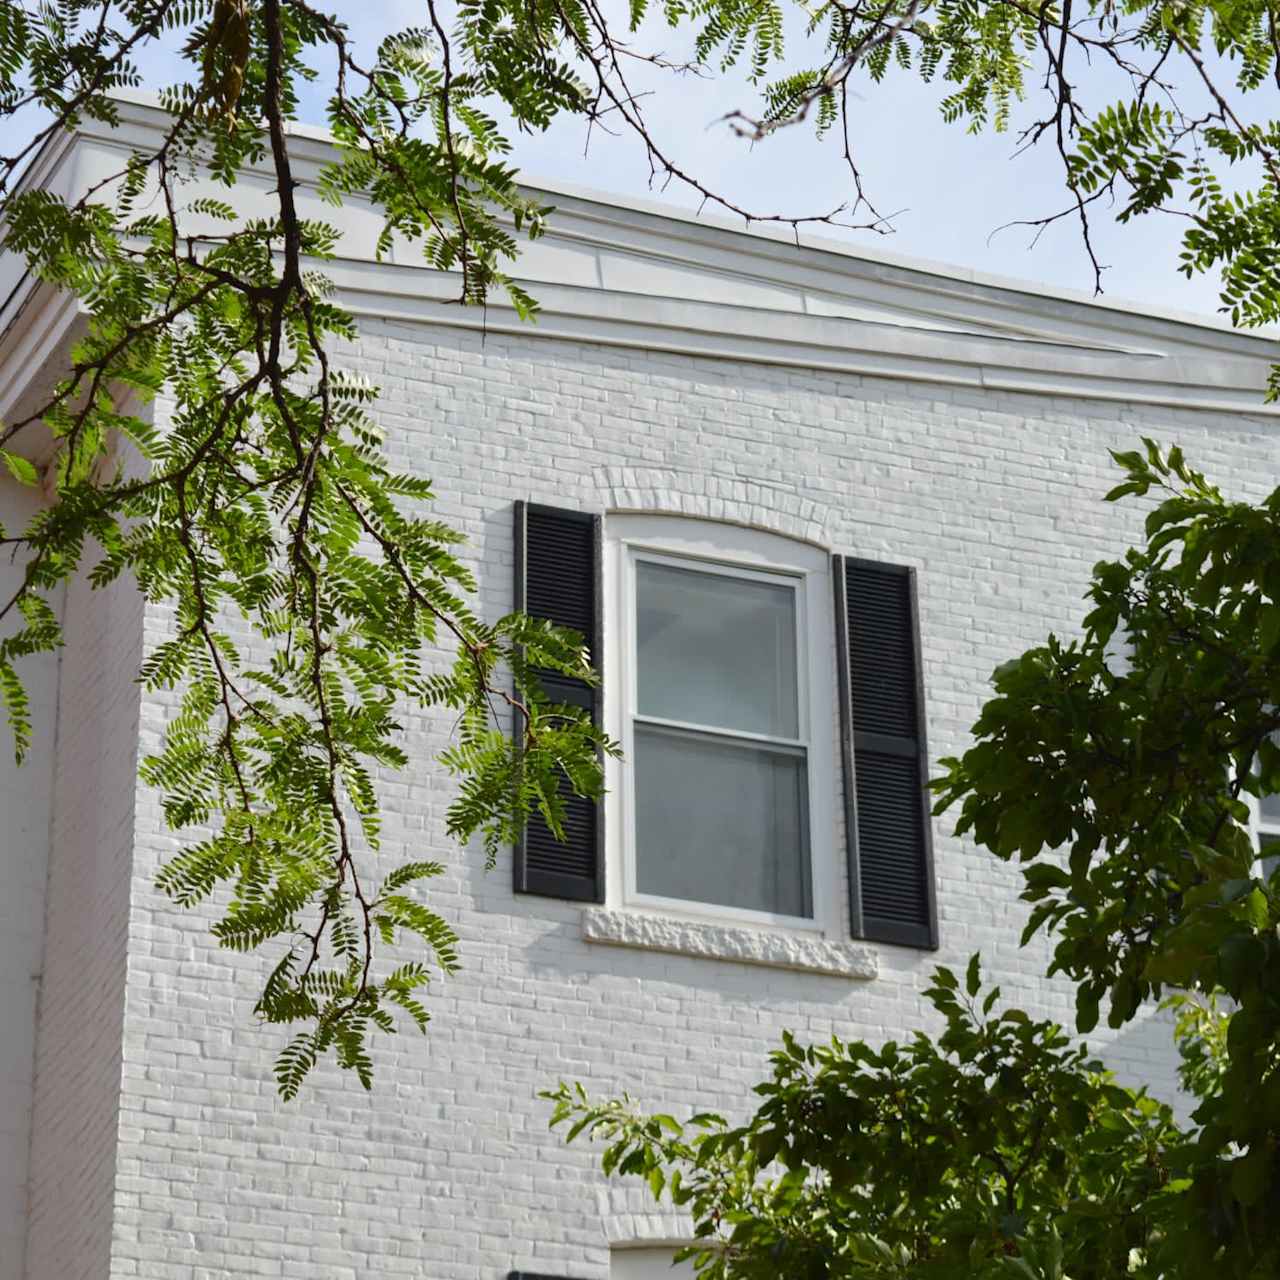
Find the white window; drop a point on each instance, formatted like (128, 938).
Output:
(723, 652)
(648, 1263)
(1265, 823)
(1266, 831)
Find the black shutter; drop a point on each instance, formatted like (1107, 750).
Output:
(886, 759)
(532, 1275)
(558, 578)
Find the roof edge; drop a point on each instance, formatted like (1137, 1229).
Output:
(942, 271)
(603, 282)
(930, 269)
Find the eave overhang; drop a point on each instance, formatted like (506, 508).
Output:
(631, 274)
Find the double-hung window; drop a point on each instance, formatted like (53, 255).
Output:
(1266, 830)
(719, 737)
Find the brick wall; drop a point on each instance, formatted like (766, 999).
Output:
(447, 1169)
(82, 989)
(25, 795)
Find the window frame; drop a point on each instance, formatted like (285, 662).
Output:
(1261, 828)
(750, 554)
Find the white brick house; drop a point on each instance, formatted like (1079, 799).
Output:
(731, 409)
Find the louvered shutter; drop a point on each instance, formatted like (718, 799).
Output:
(558, 578)
(886, 758)
(531, 1275)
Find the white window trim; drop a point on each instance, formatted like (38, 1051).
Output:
(1259, 827)
(1258, 824)
(750, 553)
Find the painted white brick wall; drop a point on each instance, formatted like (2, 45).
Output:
(447, 1169)
(82, 989)
(25, 795)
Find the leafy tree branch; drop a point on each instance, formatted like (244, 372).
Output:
(996, 1149)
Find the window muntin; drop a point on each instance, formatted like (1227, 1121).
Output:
(719, 744)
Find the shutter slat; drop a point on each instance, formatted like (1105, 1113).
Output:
(881, 655)
(893, 887)
(560, 569)
(557, 579)
(885, 755)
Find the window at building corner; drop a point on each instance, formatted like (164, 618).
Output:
(719, 727)
(1265, 825)
(1266, 828)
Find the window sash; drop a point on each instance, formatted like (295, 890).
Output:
(700, 564)
(633, 554)
(744, 850)
(1265, 831)
(737, 736)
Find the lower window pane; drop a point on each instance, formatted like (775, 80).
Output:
(721, 823)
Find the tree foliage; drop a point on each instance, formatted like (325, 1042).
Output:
(996, 1149)
(315, 599)
(1141, 776)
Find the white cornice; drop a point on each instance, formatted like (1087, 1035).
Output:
(633, 274)
(37, 328)
(922, 273)
(834, 345)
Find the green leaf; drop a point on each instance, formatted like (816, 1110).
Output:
(973, 976)
(20, 468)
(1258, 910)
(1087, 1010)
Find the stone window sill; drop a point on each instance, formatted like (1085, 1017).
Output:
(776, 949)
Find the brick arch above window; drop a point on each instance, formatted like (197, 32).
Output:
(775, 508)
(623, 1229)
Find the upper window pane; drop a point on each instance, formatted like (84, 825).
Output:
(716, 650)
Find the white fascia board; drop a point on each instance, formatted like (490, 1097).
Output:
(33, 346)
(928, 274)
(776, 247)
(628, 274)
(833, 344)
(961, 298)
